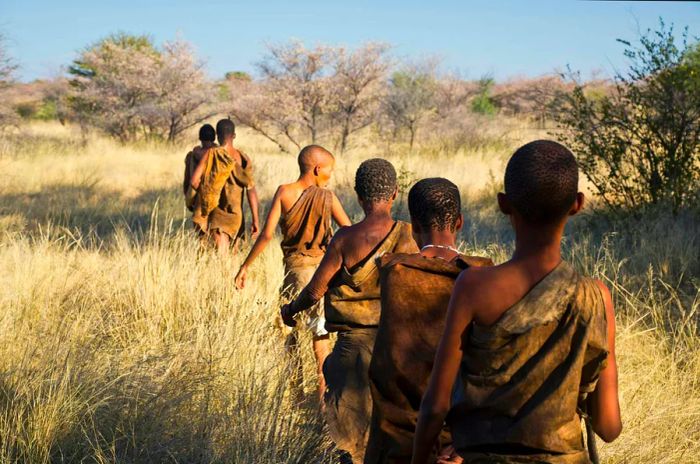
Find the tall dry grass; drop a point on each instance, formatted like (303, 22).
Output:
(121, 342)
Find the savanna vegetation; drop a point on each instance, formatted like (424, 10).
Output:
(120, 341)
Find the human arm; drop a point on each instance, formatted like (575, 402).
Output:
(338, 213)
(318, 285)
(186, 177)
(436, 401)
(252, 195)
(273, 218)
(603, 403)
(196, 178)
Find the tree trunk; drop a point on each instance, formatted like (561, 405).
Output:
(412, 131)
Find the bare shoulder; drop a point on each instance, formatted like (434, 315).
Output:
(284, 193)
(607, 299)
(476, 280)
(343, 233)
(487, 290)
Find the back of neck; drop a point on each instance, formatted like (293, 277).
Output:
(306, 181)
(439, 244)
(538, 249)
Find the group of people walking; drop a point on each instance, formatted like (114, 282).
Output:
(439, 356)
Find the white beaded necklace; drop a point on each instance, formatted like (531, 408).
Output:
(444, 247)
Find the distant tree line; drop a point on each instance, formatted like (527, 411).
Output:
(129, 88)
(637, 135)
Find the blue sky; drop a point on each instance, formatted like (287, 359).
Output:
(502, 38)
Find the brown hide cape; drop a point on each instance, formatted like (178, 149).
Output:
(219, 204)
(352, 300)
(352, 309)
(306, 232)
(415, 292)
(306, 228)
(523, 378)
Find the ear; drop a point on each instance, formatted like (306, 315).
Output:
(503, 204)
(316, 169)
(233, 136)
(460, 223)
(578, 204)
(395, 194)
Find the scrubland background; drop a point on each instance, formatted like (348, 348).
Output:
(120, 341)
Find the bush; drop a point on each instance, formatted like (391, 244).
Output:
(640, 144)
(482, 103)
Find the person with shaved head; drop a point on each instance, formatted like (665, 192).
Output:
(304, 210)
(528, 348)
(415, 290)
(348, 281)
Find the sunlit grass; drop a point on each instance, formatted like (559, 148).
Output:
(121, 342)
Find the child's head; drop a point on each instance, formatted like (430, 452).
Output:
(207, 133)
(541, 184)
(316, 161)
(375, 182)
(434, 205)
(225, 131)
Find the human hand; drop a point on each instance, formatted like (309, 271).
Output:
(448, 455)
(288, 316)
(254, 231)
(241, 277)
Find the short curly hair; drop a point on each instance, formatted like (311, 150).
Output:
(541, 181)
(375, 180)
(207, 133)
(435, 204)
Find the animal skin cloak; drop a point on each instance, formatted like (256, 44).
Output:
(352, 308)
(219, 203)
(415, 293)
(523, 379)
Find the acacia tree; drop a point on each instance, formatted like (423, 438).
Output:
(640, 145)
(7, 71)
(263, 108)
(452, 95)
(358, 84)
(410, 98)
(530, 97)
(297, 78)
(185, 96)
(130, 89)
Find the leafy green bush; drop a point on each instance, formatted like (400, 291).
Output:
(640, 144)
(482, 102)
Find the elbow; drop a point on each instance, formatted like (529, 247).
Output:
(609, 432)
(433, 410)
